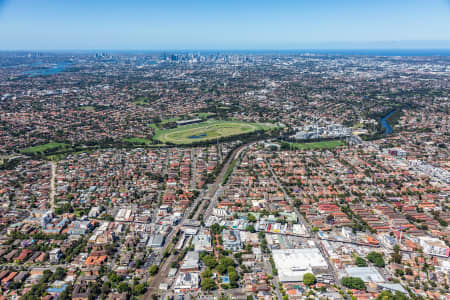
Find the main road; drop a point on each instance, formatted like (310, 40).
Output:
(52, 194)
(289, 199)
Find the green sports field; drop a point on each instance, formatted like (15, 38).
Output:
(315, 145)
(207, 130)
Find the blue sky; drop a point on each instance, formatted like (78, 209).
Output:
(216, 24)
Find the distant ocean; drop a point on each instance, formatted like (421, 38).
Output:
(384, 52)
(362, 52)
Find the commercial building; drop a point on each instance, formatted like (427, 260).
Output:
(187, 282)
(367, 274)
(190, 262)
(156, 241)
(202, 242)
(292, 264)
(434, 246)
(231, 240)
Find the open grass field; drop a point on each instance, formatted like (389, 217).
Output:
(141, 141)
(317, 145)
(174, 119)
(87, 107)
(137, 140)
(204, 115)
(141, 100)
(41, 148)
(207, 130)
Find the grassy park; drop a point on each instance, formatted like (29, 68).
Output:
(137, 140)
(141, 100)
(44, 147)
(87, 107)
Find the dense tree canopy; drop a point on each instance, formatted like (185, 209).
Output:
(376, 258)
(309, 278)
(360, 262)
(387, 295)
(353, 283)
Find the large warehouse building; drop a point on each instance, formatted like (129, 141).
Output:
(292, 264)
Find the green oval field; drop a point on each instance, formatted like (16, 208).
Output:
(207, 131)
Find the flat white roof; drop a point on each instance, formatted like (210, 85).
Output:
(367, 274)
(292, 264)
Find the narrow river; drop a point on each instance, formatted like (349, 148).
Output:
(385, 123)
